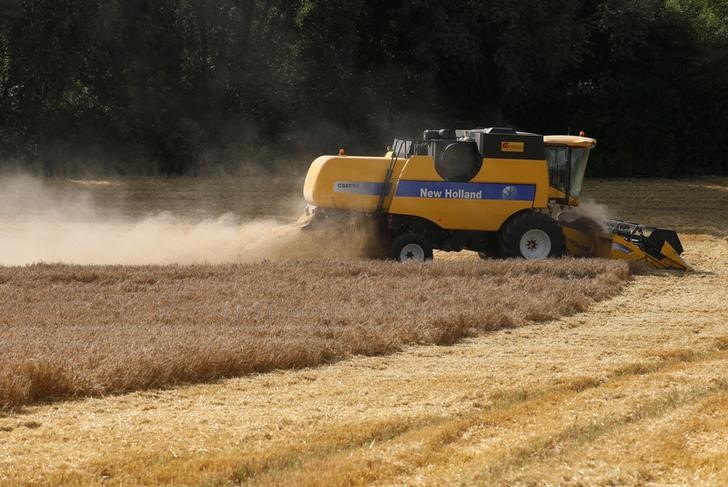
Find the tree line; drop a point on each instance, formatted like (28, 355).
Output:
(193, 86)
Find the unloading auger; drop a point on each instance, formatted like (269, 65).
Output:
(497, 191)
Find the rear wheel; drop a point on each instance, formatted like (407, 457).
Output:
(532, 236)
(411, 247)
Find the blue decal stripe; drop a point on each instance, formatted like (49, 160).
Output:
(477, 191)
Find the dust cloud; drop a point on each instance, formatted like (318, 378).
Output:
(41, 223)
(590, 209)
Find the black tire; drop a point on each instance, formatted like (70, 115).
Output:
(412, 244)
(540, 235)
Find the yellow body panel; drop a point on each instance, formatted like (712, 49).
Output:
(623, 249)
(326, 181)
(487, 214)
(355, 183)
(671, 258)
(587, 243)
(556, 194)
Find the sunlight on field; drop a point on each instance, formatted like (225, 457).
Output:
(629, 392)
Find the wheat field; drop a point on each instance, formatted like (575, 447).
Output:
(74, 331)
(631, 391)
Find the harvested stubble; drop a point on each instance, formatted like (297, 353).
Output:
(70, 331)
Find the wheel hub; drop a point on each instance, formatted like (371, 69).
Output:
(412, 252)
(535, 244)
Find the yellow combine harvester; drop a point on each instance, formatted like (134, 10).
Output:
(496, 191)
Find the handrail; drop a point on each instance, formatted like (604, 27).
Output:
(388, 176)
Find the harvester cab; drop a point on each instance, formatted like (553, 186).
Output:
(567, 157)
(497, 191)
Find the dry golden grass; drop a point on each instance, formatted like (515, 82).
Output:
(70, 331)
(630, 392)
(463, 447)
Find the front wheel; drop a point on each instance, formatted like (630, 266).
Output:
(532, 236)
(411, 247)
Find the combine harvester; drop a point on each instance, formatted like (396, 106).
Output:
(496, 191)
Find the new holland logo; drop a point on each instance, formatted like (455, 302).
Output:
(511, 146)
(465, 191)
(509, 193)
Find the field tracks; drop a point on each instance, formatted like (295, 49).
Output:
(438, 440)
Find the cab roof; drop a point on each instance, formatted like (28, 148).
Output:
(570, 140)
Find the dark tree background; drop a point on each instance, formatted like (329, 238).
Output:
(192, 86)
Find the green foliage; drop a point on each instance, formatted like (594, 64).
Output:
(160, 86)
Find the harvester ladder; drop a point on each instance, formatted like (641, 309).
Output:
(386, 186)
